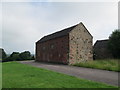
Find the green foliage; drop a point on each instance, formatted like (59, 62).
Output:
(16, 56)
(111, 65)
(8, 59)
(16, 75)
(14, 53)
(32, 58)
(2, 54)
(25, 55)
(114, 43)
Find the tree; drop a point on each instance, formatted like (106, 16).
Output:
(25, 55)
(32, 58)
(14, 56)
(14, 53)
(114, 43)
(2, 54)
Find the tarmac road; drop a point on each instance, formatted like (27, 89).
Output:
(109, 77)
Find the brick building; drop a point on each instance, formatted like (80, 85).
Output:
(68, 46)
(101, 50)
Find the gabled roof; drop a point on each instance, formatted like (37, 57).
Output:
(57, 34)
(101, 43)
(86, 29)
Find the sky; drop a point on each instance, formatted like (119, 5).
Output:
(24, 22)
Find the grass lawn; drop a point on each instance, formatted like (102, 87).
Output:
(16, 75)
(0, 75)
(111, 65)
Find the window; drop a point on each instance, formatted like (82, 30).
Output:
(44, 48)
(52, 46)
(59, 55)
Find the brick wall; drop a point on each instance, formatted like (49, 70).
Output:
(55, 50)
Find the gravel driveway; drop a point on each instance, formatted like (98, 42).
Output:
(104, 76)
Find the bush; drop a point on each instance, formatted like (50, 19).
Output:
(13, 57)
(7, 59)
(16, 56)
(33, 58)
(25, 55)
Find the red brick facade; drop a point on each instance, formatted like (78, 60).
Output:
(55, 50)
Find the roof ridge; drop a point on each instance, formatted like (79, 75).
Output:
(57, 34)
(103, 40)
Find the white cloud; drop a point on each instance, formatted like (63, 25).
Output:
(25, 23)
(0, 24)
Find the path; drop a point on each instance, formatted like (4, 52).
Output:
(109, 77)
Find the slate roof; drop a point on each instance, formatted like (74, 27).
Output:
(56, 34)
(101, 43)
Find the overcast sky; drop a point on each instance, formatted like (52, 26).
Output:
(24, 23)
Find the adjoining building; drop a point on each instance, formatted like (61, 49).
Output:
(101, 50)
(69, 46)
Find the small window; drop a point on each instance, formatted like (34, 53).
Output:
(59, 55)
(43, 48)
(52, 46)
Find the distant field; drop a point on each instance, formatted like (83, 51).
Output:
(111, 65)
(16, 75)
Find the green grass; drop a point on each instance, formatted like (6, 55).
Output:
(0, 76)
(111, 65)
(16, 75)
